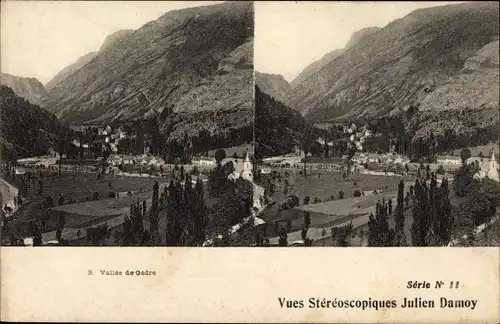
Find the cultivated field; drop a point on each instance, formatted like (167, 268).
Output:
(329, 184)
(79, 186)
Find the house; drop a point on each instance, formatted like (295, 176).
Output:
(398, 159)
(156, 161)
(359, 146)
(20, 170)
(368, 133)
(374, 159)
(114, 159)
(352, 138)
(203, 161)
(449, 160)
(128, 159)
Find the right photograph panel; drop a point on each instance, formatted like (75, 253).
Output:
(377, 124)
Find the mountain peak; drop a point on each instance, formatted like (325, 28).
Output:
(274, 85)
(117, 36)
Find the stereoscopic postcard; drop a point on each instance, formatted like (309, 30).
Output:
(274, 161)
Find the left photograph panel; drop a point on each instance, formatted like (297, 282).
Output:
(126, 123)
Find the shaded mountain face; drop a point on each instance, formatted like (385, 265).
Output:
(467, 103)
(27, 129)
(274, 85)
(278, 128)
(82, 61)
(69, 70)
(358, 37)
(186, 62)
(28, 88)
(315, 67)
(411, 62)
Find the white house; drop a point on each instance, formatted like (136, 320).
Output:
(203, 161)
(129, 159)
(449, 160)
(114, 159)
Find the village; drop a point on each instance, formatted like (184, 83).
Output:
(92, 185)
(335, 192)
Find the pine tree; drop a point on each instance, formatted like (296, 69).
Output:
(199, 211)
(283, 237)
(174, 214)
(400, 237)
(446, 220)
(379, 233)
(421, 209)
(153, 225)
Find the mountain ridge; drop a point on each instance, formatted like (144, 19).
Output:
(401, 65)
(165, 67)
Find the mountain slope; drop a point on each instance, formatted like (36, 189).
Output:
(401, 65)
(315, 67)
(361, 36)
(358, 37)
(69, 70)
(28, 88)
(277, 127)
(27, 129)
(274, 85)
(186, 62)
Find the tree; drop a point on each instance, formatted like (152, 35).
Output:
(307, 220)
(341, 235)
(379, 233)
(199, 211)
(283, 237)
(95, 196)
(97, 235)
(465, 154)
(341, 194)
(220, 155)
(40, 186)
(420, 225)
(400, 237)
(307, 199)
(235, 155)
(357, 193)
(445, 222)
(464, 182)
(153, 229)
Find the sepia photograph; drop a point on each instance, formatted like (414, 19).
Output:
(377, 123)
(171, 151)
(126, 123)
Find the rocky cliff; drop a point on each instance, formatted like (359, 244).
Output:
(274, 85)
(28, 88)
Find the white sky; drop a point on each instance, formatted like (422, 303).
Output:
(291, 35)
(40, 38)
